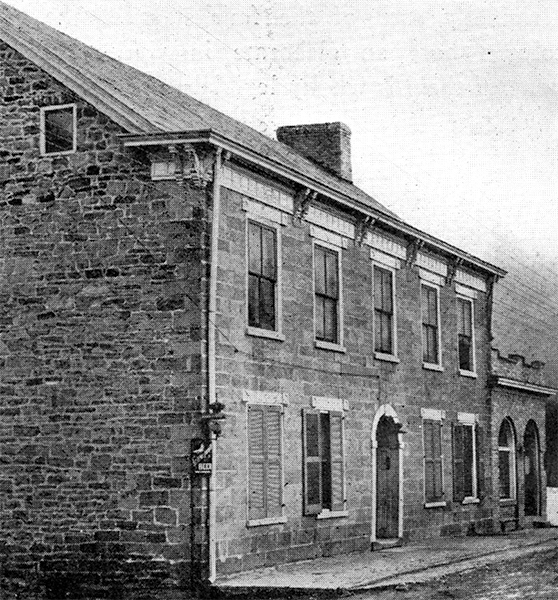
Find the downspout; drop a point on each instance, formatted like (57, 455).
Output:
(211, 349)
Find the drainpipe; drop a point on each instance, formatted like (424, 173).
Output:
(211, 347)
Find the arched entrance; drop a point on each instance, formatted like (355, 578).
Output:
(532, 470)
(387, 475)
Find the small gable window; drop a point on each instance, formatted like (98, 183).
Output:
(58, 129)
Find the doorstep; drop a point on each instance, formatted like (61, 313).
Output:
(416, 561)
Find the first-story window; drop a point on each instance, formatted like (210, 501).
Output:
(384, 311)
(506, 461)
(265, 455)
(430, 325)
(324, 477)
(326, 290)
(468, 460)
(466, 346)
(433, 460)
(262, 276)
(58, 129)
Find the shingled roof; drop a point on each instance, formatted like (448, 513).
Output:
(141, 103)
(145, 106)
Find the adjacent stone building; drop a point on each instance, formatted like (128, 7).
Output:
(217, 352)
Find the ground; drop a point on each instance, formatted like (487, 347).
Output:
(525, 578)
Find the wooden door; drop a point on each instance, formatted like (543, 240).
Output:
(532, 470)
(387, 479)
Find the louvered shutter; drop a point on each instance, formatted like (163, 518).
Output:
(312, 462)
(337, 462)
(274, 484)
(256, 463)
(481, 486)
(458, 467)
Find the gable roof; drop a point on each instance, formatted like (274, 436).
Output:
(141, 103)
(145, 106)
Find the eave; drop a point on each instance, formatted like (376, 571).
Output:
(523, 386)
(253, 157)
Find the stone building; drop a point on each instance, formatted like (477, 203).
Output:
(164, 266)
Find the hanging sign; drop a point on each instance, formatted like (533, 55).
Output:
(201, 456)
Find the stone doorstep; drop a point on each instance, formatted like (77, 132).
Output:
(524, 545)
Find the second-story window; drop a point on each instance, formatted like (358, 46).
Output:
(466, 347)
(430, 325)
(58, 129)
(262, 276)
(384, 330)
(326, 276)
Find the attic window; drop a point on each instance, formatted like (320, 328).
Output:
(163, 169)
(58, 129)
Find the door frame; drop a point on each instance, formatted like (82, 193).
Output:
(532, 424)
(386, 410)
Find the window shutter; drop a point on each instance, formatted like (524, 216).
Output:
(481, 487)
(312, 462)
(438, 460)
(337, 462)
(458, 489)
(429, 467)
(256, 463)
(274, 486)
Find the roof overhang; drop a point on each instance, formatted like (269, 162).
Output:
(523, 386)
(247, 154)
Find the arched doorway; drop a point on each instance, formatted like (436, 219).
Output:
(532, 470)
(388, 469)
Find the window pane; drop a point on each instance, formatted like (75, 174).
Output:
(504, 471)
(267, 304)
(432, 307)
(319, 275)
(465, 354)
(430, 338)
(269, 253)
(254, 249)
(332, 274)
(59, 130)
(504, 435)
(253, 301)
(320, 334)
(330, 320)
(387, 289)
(313, 482)
(468, 460)
(312, 435)
(465, 325)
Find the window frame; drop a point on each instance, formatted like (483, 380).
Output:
(266, 520)
(387, 356)
(277, 333)
(42, 128)
(337, 346)
(512, 462)
(473, 371)
(470, 420)
(437, 366)
(436, 416)
(324, 513)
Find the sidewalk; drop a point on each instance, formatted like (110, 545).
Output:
(414, 562)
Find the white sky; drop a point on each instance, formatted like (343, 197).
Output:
(452, 103)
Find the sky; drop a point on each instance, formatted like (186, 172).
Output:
(452, 104)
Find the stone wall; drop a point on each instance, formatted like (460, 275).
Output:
(296, 368)
(101, 296)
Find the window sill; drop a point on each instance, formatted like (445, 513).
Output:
(471, 501)
(386, 357)
(267, 521)
(432, 367)
(470, 374)
(56, 154)
(508, 501)
(265, 333)
(330, 346)
(332, 514)
(440, 504)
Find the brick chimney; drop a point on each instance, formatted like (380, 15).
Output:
(327, 144)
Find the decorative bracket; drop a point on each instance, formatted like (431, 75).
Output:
(412, 251)
(189, 166)
(302, 201)
(452, 270)
(363, 226)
